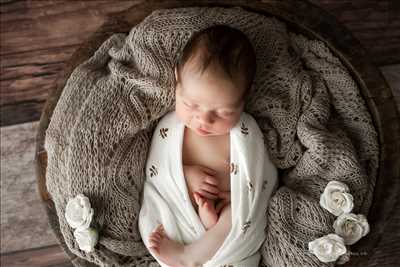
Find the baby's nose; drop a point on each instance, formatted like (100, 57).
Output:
(205, 118)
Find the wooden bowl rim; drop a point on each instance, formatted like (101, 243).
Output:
(373, 87)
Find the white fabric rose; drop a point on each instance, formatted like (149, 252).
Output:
(78, 212)
(86, 238)
(351, 227)
(336, 198)
(327, 248)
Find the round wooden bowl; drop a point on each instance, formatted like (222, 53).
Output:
(315, 23)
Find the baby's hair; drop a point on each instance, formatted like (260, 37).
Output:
(225, 46)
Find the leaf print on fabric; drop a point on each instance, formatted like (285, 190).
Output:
(163, 132)
(246, 226)
(153, 171)
(234, 168)
(250, 185)
(244, 129)
(192, 228)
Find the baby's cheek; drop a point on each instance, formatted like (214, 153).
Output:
(225, 126)
(181, 113)
(229, 124)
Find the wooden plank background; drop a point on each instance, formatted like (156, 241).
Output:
(38, 38)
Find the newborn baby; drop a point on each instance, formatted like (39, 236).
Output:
(213, 77)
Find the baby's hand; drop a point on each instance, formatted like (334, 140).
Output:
(201, 180)
(225, 197)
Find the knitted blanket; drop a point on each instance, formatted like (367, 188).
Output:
(313, 118)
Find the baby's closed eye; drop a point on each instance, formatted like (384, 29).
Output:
(226, 113)
(189, 105)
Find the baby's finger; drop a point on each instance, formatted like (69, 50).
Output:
(196, 197)
(210, 189)
(211, 180)
(207, 195)
(208, 170)
(159, 229)
(154, 242)
(157, 235)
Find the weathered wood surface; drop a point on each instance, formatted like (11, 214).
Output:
(51, 256)
(392, 75)
(38, 37)
(24, 223)
(37, 66)
(26, 237)
(375, 23)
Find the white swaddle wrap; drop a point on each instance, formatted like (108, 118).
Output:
(166, 200)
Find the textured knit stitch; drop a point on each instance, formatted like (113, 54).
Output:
(309, 108)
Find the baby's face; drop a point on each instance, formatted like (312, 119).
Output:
(208, 103)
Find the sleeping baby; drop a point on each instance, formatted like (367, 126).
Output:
(209, 177)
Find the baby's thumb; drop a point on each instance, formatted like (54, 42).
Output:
(196, 198)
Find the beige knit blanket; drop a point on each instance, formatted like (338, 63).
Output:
(309, 108)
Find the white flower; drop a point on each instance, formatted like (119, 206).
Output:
(351, 227)
(327, 248)
(336, 198)
(78, 212)
(86, 238)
